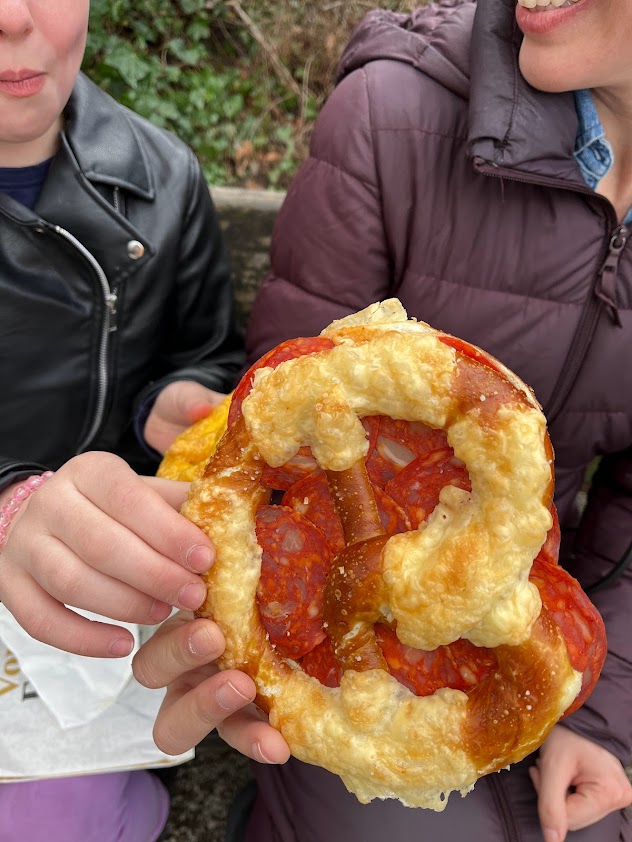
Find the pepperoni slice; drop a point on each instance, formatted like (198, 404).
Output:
(321, 663)
(303, 464)
(460, 666)
(578, 620)
(298, 467)
(398, 443)
(295, 563)
(470, 351)
(288, 350)
(394, 518)
(418, 486)
(310, 497)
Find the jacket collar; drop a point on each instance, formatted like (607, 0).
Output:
(104, 141)
(511, 124)
(472, 50)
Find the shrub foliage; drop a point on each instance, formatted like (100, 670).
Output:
(241, 82)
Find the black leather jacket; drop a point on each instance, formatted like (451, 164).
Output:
(115, 285)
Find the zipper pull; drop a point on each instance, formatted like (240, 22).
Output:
(606, 288)
(111, 300)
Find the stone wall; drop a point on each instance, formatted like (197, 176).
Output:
(247, 218)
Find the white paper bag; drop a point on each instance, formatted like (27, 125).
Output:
(99, 720)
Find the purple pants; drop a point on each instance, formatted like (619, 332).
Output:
(118, 807)
(301, 803)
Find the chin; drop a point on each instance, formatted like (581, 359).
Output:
(546, 73)
(29, 122)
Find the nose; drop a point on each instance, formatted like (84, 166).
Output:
(15, 18)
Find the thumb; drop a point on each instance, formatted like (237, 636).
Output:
(554, 781)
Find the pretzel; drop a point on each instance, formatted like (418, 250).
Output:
(401, 611)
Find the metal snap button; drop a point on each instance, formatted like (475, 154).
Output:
(135, 250)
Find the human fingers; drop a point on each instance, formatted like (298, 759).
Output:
(107, 546)
(177, 407)
(172, 492)
(47, 620)
(185, 402)
(554, 776)
(175, 649)
(69, 580)
(113, 488)
(249, 732)
(601, 790)
(534, 774)
(189, 713)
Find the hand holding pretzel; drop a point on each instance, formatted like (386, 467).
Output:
(408, 566)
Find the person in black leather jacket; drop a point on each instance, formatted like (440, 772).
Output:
(117, 331)
(115, 302)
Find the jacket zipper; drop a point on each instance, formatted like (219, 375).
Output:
(108, 326)
(602, 290)
(603, 296)
(507, 818)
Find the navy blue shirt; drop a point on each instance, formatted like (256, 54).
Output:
(24, 184)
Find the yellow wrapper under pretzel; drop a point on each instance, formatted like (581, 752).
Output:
(186, 459)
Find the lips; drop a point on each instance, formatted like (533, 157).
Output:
(23, 82)
(545, 16)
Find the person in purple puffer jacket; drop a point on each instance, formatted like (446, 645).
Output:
(475, 160)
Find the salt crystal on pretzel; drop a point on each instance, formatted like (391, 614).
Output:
(464, 573)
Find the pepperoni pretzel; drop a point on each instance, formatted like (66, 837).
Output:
(399, 606)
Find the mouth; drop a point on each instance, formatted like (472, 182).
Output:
(546, 5)
(557, 13)
(21, 83)
(19, 75)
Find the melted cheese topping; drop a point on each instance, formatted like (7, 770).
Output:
(317, 399)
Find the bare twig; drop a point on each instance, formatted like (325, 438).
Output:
(305, 88)
(281, 70)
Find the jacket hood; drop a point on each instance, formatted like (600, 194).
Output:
(471, 49)
(434, 40)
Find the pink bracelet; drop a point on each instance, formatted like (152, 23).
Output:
(20, 494)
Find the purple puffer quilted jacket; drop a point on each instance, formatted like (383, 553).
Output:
(439, 176)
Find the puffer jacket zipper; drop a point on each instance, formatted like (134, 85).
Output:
(503, 808)
(108, 326)
(596, 302)
(601, 298)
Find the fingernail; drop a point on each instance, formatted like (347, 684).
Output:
(159, 611)
(192, 596)
(229, 697)
(121, 646)
(201, 643)
(550, 835)
(259, 755)
(199, 559)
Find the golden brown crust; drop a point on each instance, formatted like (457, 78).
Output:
(382, 740)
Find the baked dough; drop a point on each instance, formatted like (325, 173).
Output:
(463, 574)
